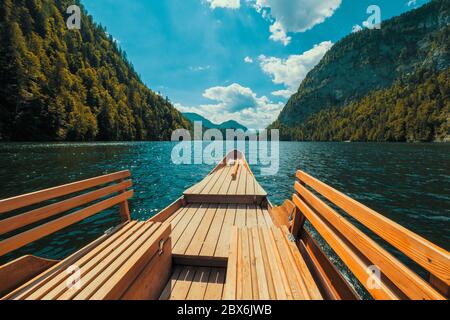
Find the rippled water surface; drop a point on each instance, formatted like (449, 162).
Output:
(408, 183)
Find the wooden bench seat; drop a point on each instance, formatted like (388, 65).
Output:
(132, 261)
(265, 265)
(111, 269)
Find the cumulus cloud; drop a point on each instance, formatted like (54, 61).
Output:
(230, 4)
(248, 60)
(290, 72)
(279, 34)
(238, 103)
(295, 16)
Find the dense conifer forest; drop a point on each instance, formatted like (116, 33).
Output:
(58, 84)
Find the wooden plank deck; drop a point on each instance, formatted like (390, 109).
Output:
(195, 283)
(202, 232)
(221, 186)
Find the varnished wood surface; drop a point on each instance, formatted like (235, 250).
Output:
(107, 269)
(228, 181)
(194, 283)
(264, 264)
(204, 230)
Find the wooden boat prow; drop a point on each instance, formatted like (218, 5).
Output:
(231, 181)
(222, 239)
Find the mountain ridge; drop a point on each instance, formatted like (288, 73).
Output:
(72, 85)
(371, 61)
(207, 124)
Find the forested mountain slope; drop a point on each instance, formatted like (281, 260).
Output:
(379, 85)
(77, 85)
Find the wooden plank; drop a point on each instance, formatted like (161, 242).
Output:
(197, 189)
(259, 190)
(168, 289)
(216, 282)
(295, 279)
(45, 212)
(231, 284)
(241, 216)
(242, 184)
(331, 283)
(169, 211)
(261, 279)
(235, 170)
(149, 284)
(178, 229)
(174, 219)
(221, 181)
(199, 284)
(232, 190)
(267, 217)
(145, 285)
(245, 267)
(202, 231)
(223, 244)
(253, 272)
(353, 261)
(183, 284)
(15, 273)
(36, 282)
(55, 285)
(216, 198)
(56, 192)
(300, 268)
(186, 237)
(213, 181)
(252, 220)
(39, 232)
(212, 239)
(92, 280)
(267, 269)
(250, 186)
(406, 280)
(278, 263)
(431, 257)
(226, 183)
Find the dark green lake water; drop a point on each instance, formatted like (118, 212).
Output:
(409, 183)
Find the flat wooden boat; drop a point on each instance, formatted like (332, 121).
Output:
(222, 239)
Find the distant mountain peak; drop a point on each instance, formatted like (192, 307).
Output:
(207, 124)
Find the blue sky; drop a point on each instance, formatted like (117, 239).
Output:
(232, 59)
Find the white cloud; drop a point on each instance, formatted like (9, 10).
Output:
(412, 3)
(248, 60)
(279, 34)
(295, 16)
(290, 72)
(283, 93)
(239, 103)
(356, 28)
(230, 4)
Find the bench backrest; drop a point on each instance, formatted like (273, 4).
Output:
(362, 255)
(111, 189)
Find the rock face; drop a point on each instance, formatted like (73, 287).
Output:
(372, 60)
